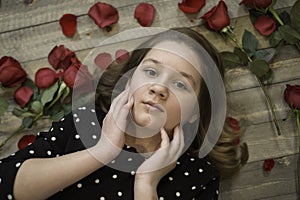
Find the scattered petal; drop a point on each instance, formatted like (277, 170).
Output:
(45, 77)
(144, 13)
(60, 57)
(68, 24)
(103, 60)
(25, 141)
(269, 164)
(103, 14)
(191, 6)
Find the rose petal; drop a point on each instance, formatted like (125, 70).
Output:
(217, 18)
(121, 55)
(45, 77)
(103, 14)
(191, 6)
(60, 57)
(265, 25)
(144, 13)
(25, 141)
(22, 95)
(268, 164)
(11, 72)
(68, 24)
(103, 60)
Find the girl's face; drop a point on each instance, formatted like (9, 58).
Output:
(165, 88)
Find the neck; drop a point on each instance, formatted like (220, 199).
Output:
(144, 145)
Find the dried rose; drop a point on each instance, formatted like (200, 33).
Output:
(191, 6)
(144, 13)
(25, 141)
(77, 75)
(22, 95)
(121, 55)
(11, 72)
(265, 25)
(103, 14)
(45, 77)
(103, 60)
(268, 164)
(258, 4)
(217, 18)
(292, 96)
(60, 57)
(68, 24)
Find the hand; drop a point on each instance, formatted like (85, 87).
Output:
(163, 160)
(112, 135)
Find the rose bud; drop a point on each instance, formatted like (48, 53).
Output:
(191, 6)
(22, 95)
(11, 72)
(25, 141)
(265, 25)
(292, 96)
(268, 164)
(121, 55)
(217, 18)
(103, 14)
(144, 13)
(60, 57)
(45, 77)
(68, 24)
(257, 4)
(103, 60)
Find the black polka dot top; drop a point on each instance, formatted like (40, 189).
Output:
(192, 178)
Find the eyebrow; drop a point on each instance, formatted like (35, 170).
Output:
(188, 76)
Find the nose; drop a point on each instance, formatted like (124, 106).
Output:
(159, 90)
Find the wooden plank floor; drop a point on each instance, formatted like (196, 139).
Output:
(29, 32)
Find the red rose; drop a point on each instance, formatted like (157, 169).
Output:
(103, 60)
(60, 57)
(269, 164)
(265, 25)
(103, 14)
(121, 55)
(260, 4)
(11, 72)
(78, 75)
(68, 24)
(25, 141)
(144, 13)
(292, 96)
(22, 95)
(45, 77)
(191, 6)
(217, 18)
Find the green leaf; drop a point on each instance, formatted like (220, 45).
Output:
(37, 106)
(275, 38)
(66, 93)
(259, 68)
(249, 43)
(243, 56)
(49, 93)
(3, 106)
(27, 122)
(267, 78)
(289, 34)
(18, 112)
(265, 54)
(230, 60)
(28, 114)
(67, 108)
(295, 16)
(57, 115)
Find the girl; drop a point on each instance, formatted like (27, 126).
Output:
(154, 139)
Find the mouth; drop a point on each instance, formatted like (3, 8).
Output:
(153, 105)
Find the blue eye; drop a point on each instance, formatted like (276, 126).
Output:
(151, 72)
(180, 85)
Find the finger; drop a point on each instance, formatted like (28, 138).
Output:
(165, 141)
(176, 139)
(182, 143)
(123, 113)
(123, 100)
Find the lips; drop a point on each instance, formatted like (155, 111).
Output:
(154, 105)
